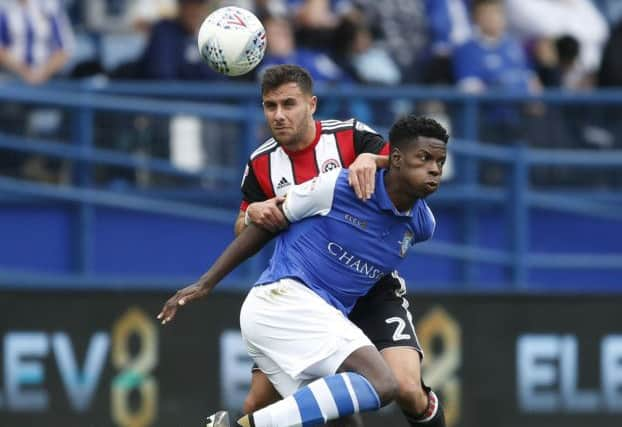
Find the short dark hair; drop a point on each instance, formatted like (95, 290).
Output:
(484, 2)
(408, 128)
(568, 49)
(477, 3)
(278, 75)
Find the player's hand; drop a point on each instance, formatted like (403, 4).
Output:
(362, 177)
(268, 214)
(34, 76)
(181, 298)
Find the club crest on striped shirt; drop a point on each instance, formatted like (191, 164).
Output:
(329, 165)
(406, 243)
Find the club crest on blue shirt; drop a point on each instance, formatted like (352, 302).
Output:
(406, 243)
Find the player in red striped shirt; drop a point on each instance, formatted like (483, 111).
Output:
(300, 149)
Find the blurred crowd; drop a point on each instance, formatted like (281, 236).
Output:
(474, 45)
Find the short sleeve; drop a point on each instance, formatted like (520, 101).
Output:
(314, 197)
(425, 223)
(251, 190)
(367, 140)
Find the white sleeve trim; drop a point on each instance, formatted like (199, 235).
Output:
(314, 197)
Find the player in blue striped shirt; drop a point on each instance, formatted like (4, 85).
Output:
(294, 321)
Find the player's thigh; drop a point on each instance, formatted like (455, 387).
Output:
(261, 394)
(288, 324)
(283, 384)
(386, 319)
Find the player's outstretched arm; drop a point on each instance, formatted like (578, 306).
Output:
(362, 177)
(247, 244)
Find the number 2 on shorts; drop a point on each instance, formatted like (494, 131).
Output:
(399, 334)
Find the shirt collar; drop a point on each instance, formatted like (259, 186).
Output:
(382, 196)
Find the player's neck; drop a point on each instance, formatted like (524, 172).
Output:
(401, 199)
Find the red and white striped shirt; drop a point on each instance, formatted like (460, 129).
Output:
(272, 168)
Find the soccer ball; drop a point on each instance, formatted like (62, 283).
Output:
(232, 41)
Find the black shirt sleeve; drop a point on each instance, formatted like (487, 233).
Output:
(366, 140)
(251, 190)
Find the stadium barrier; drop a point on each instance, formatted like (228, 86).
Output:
(517, 261)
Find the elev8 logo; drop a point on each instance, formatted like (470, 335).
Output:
(548, 372)
(26, 353)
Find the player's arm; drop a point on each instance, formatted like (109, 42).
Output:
(313, 197)
(372, 154)
(247, 244)
(256, 207)
(266, 214)
(240, 224)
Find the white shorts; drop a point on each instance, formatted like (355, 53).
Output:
(294, 336)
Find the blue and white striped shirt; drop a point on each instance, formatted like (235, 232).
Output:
(33, 30)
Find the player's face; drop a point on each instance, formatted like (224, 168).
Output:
(289, 114)
(420, 166)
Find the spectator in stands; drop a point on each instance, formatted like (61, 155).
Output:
(36, 39)
(448, 26)
(492, 58)
(171, 52)
(557, 63)
(358, 53)
(125, 16)
(401, 28)
(610, 72)
(568, 53)
(269, 7)
(316, 21)
(545, 61)
(282, 49)
(368, 62)
(553, 19)
(143, 14)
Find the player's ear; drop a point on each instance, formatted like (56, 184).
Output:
(395, 158)
(313, 104)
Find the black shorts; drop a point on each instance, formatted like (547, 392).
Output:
(384, 316)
